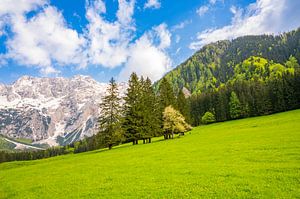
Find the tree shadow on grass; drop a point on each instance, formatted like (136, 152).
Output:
(127, 145)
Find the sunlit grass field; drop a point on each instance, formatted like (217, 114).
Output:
(249, 158)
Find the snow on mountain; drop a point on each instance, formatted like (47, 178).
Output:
(53, 111)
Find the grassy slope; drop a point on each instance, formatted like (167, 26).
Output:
(5, 145)
(23, 140)
(9, 146)
(256, 157)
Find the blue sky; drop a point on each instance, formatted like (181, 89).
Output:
(105, 38)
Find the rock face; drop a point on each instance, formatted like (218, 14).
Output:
(53, 111)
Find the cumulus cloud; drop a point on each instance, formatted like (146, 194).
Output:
(148, 58)
(108, 41)
(125, 12)
(8, 9)
(163, 35)
(43, 40)
(111, 44)
(98, 6)
(19, 6)
(202, 10)
(46, 41)
(263, 16)
(155, 4)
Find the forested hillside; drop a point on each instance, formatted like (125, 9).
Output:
(245, 77)
(217, 63)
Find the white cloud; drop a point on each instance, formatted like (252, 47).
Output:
(2, 32)
(205, 8)
(262, 17)
(202, 10)
(49, 70)
(148, 59)
(7, 9)
(108, 41)
(237, 15)
(152, 4)
(181, 25)
(164, 36)
(42, 40)
(125, 12)
(18, 7)
(46, 41)
(98, 6)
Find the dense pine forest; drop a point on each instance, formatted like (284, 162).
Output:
(227, 80)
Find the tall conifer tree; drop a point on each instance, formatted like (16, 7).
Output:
(110, 118)
(151, 123)
(166, 94)
(166, 98)
(133, 110)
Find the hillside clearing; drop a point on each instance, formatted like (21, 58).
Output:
(256, 157)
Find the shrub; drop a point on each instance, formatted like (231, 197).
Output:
(208, 118)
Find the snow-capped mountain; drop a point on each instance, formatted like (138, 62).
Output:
(53, 111)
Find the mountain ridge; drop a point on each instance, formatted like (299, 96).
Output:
(52, 111)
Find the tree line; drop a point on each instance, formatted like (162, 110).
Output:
(247, 98)
(138, 116)
(6, 156)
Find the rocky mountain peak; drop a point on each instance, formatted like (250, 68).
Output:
(51, 110)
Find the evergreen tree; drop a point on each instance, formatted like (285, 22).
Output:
(263, 102)
(133, 118)
(183, 105)
(110, 117)
(166, 94)
(221, 105)
(235, 106)
(277, 95)
(166, 98)
(289, 92)
(150, 111)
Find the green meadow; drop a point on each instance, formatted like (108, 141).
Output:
(249, 158)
